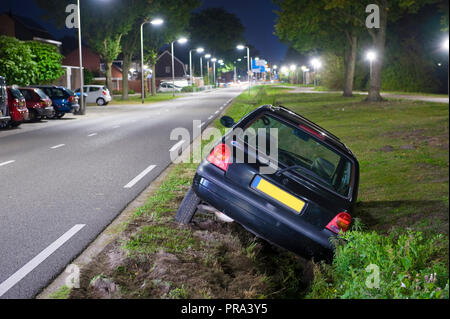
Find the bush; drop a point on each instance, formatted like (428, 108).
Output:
(406, 262)
(16, 62)
(188, 89)
(131, 92)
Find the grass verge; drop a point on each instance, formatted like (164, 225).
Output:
(402, 147)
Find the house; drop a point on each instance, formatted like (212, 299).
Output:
(163, 67)
(25, 29)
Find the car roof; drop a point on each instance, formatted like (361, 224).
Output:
(284, 112)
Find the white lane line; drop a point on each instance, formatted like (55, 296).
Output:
(209, 118)
(200, 126)
(57, 146)
(93, 134)
(6, 163)
(140, 176)
(217, 112)
(117, 126)
(176, 146)
(36, 261)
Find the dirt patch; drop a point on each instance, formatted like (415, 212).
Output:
(416, 137)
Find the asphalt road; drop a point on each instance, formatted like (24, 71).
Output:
(63, 181)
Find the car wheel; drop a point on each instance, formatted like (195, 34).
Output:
(15, 124)
(187, 208)
(101, 102)
(60, 115)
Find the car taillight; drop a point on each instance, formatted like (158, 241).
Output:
(72, 99)
(220, 157)
(43, 103)
(313, 132)
(342, 222)
(16, 103)
(104, 92)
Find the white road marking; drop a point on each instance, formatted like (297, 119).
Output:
(93, 134)
(6, 163)
(57, 146)
(176, 146)
(200, 126)
(140, 176)
(217, 112)
(36, 261)
(209, 118)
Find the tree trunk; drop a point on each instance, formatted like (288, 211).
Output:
(154, 79)
(350, 67)
(108, 74)
(379, 42)
(125, 69)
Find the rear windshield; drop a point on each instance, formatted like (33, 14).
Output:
(16, 93)
(41, 94)
(315, 159)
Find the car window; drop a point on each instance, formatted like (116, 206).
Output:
(296, 147)
(16, 93)
(41, 94)
(94, 89)
(27, 94)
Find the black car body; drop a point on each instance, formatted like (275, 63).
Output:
(4, 113)
(296, 207)
(63, 100)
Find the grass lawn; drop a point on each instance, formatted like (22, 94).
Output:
(160, 97)
(402, 147)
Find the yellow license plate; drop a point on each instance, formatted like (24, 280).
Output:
(277, 193)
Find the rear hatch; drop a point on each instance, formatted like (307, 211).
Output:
(316, 191)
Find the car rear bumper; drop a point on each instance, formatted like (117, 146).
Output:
(261, 218)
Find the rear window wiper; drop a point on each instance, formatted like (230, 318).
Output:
(304, 170)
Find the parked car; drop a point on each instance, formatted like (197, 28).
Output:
(306, 200)
(96, 94)
(168, 87)
(4, 111)
(38, 103)
(63, 100)
(17, 106)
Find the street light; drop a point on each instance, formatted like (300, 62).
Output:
(317, 65)
(445, 44)
(155, 22)
(180, 41)
(242, 47)
(371, 56)
(198, 50)
(207, 57)
(214, 60)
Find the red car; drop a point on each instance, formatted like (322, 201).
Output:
(17, 106)
(39, 105)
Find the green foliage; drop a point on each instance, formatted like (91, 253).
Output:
(88, 76)
(48, 62)
(16, 61)
(188, 89)
(406, 262)
(332, 76)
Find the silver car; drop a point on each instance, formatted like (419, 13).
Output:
(98, 94)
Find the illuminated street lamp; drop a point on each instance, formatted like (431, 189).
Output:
(198, 50)
(242, 47)
(316, 65)
(445, 44)
(180, 41)
(155, 22)
(371, 56)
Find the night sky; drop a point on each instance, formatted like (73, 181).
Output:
(256, 15)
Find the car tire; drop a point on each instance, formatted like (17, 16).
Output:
(187, 208)
(59, 115)
(101, 102)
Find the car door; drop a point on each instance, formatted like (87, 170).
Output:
(93, 94)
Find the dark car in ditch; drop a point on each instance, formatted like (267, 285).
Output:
(283, 178)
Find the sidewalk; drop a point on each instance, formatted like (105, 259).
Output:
(386, 95)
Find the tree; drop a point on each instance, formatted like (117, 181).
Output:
(16, 61)
(217, 30)
(48, 62)
(389, 11)
(176, 19)
(310, 27)
(103, 25)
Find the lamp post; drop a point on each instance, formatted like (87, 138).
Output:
(214, 60)
(180, 41)
(445, 47)
(153, 22)
(316, 65)
(198, 50)
(82, 108)
(371, 56)
(242, 47)
(207, 57)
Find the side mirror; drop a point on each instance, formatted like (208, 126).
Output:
(227, 121)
